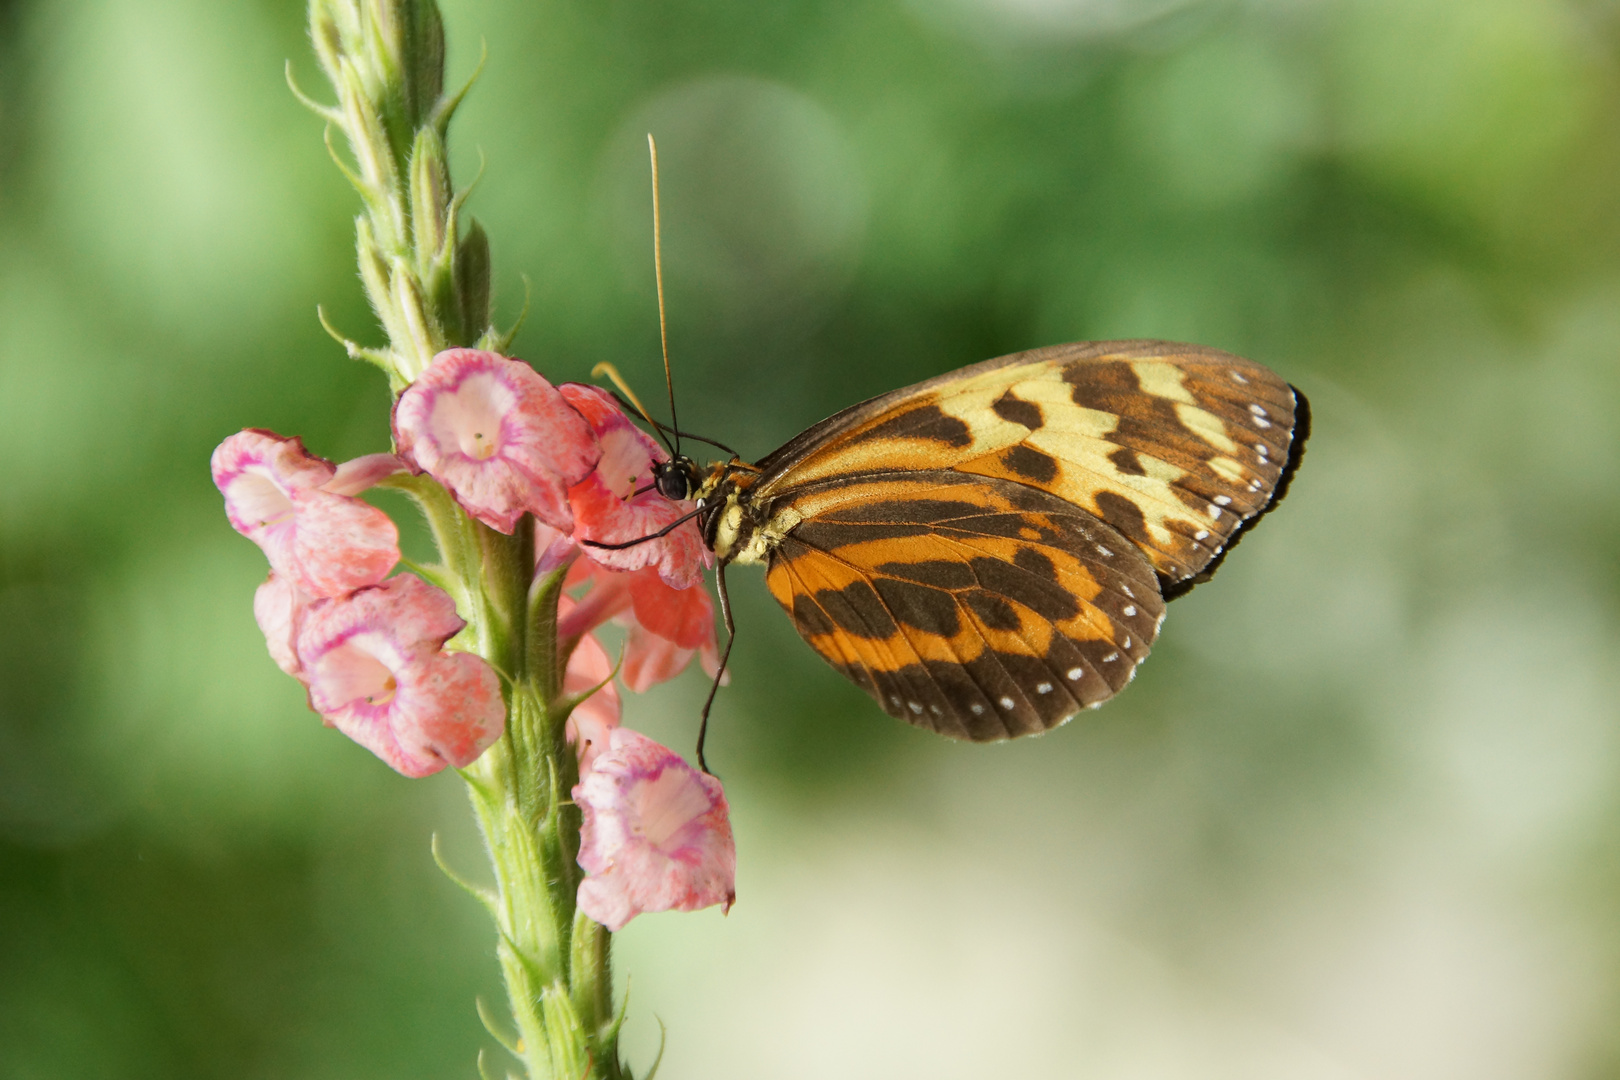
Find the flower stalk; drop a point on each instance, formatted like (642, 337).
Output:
(426, 274)
(483, 661)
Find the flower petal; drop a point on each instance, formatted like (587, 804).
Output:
(656, 836)
(341, 543)
(683, 615)
(363, 473)
(596, 716)
(617, 501)
(277, 608)
(499, 436)
(325, 544)
(375, 671)
(650, 660)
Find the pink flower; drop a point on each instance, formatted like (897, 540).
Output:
(497, 435)
(278, 495)
(596, 716)
(278, 608)
(617, 501)
(375, 671)
(657, 834)
(668, 626)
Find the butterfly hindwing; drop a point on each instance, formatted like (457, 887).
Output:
(1177, 447)
(971, 605)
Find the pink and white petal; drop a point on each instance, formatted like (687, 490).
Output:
(607, 508)
(413, 617)
(608, 596)
(599, 408)
(341, 543)
(442, 710)
(683, 615)
(656, 836)
(499, 436)
(650, 660)
(596, 716)
(373, 669)
(604, 516)
(281, 460)
(364, 473)
(553, 549)
(277, 608)
(500, 491)
(450, 709)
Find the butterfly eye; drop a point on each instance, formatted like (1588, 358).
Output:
(673, 480)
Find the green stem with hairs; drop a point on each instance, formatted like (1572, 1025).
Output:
(426, 270)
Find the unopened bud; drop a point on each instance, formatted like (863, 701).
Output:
(430, 196)
(327, 35)
(472, 279)
(425, 60)
(421, 337)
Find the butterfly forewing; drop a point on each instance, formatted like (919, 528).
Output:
(1174, 446)
(974, 606)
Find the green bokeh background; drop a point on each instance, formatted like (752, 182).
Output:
(1358, 817)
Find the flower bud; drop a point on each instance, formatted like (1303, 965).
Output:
(326, 35)
(472, 268)
(430, 196)
(368, 137)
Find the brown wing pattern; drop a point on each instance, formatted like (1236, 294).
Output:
(974, 606)
(1175, 446)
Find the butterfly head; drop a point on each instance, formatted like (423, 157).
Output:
(677, 478)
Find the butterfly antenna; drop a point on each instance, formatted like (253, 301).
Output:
(658, 275)
(612, 373)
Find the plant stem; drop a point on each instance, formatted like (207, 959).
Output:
(427, 278)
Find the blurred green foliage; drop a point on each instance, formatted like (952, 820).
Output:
(1357, 817)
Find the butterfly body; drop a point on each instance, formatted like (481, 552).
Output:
(989, 551)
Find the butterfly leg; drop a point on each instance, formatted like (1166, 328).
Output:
(725, 657)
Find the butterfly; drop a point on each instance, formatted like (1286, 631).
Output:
(987, 552)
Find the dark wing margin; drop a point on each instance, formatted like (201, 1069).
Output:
(1174, 590)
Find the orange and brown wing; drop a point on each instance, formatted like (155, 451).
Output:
(1178, 447)
(976, 607)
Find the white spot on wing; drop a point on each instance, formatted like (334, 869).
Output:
(1043, 688)
(977, 709)
(1126, 643)
(1201, 534)
(1126, 589)
(1130, 609)
(1223, 500)
(1007, 703)
(1258, 410)
(1104, 552)
(1074, 673)
(916, 706)
(1214, 512)
(1111, 657)
(1238, 377)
